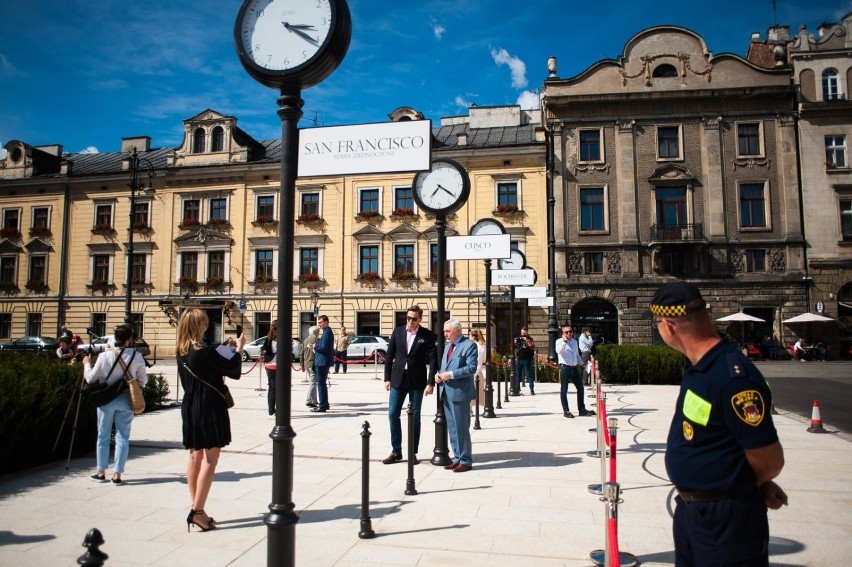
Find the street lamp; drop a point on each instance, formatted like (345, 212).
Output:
(135, 163)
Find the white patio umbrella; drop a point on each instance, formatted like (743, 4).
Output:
(743, 318)
(807, 318)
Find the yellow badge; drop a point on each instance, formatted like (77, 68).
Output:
(688, 432)
(749, 407)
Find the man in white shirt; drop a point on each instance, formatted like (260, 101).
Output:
(586, 343)
(570, 363)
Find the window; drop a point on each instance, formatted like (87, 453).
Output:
(34, 324)
(507, 194)
(140, 215)
(101, 268)
(403, 199)
(219, 209)
(752, 206)
(748, 139)
(369, 200)
(845, 221)
(8, 269)
(592, 208)
(191, 211)
(672, 262)
(139, 269)
(137, 321)
(216, 265)
(198, 141)
(310, 204)
(668, 142)
(103, 216)
(433, 263)
(5, 325)
(189, 265)
(38, 269)
(590, 145)
(368, 260)
(308, 261)
(11, 218)
(593, 262)
(671, 207)
(755, 260)
(368, 323)
(217, 139)
(263, 265)
(830, 85)
(262, 323)
(41, 218)
(265, 207)
(403, 262)
(664, 70)
(835, 151)
(98, 324)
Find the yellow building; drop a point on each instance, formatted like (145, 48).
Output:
(205, 233)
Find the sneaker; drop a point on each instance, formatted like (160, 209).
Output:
(99, 477)
(568, 414)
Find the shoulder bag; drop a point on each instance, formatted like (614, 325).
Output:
(101, 393)
(137, 399)
(229, 399)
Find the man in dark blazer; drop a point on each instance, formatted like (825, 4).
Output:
(456, 389)
(323, 359)
(410, 350)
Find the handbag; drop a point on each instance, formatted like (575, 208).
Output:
(137, 399)
(101, 393)
(226, 395)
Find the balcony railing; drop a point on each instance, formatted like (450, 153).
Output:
(678, 233)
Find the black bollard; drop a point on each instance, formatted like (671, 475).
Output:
(476, 420)
(93, 557)
(409, 483)
(499, 397)
(366, 525)
(506, 391)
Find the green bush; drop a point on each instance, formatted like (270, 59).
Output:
(544, 372)
(632, 364)
(155, 391)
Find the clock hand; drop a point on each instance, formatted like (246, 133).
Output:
(303, 27)
(447, 191)
(296, 30)
(436, 190)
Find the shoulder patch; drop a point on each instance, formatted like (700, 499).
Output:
(749, 407)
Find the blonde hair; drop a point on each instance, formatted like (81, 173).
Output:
(477, 336)
(190, 330)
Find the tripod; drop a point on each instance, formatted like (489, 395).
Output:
(78, 393)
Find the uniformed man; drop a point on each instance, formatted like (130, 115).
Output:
(723, 450)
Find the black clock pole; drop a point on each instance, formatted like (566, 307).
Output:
(488, 410)
(281, 518)
(441, 452)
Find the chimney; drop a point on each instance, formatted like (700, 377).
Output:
(139, 143)
(462, 138)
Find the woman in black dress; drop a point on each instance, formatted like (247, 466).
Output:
(206, 426)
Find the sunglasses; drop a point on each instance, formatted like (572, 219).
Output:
(567, 332)
(412, 318)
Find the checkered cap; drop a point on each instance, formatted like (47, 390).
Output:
(674, 299)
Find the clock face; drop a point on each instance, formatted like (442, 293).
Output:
(296, 39)
(487, 226)
(516, 261)
(443, 189)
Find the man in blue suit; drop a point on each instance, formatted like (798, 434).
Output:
(456, 389)
(323, 359)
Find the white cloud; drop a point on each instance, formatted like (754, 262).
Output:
(529, 100)
(438, 30)
(90, 150)
(460, 101)
(2, 152)
(518, 67)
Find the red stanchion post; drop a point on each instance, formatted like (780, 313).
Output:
(613, 426)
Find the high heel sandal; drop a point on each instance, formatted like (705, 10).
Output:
(190, 520)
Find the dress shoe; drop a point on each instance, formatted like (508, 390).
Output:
(585, 413)
(451, 466)
(318, 410)
(532, 393)
(462, 468)
(311, 404)
(392, 458)
(568, 414)
(415, 460)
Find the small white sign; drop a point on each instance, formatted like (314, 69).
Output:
(384, 147)
(527, 292)
(485, 247)
(513, 277)
(540, 301)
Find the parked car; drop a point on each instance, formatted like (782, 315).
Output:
(32, 344)
(100, 344)
(367, 346)
(251, 351)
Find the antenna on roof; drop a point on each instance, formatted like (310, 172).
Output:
(775, 12)
(315, 120)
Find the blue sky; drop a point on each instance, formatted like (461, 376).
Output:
(85, 73)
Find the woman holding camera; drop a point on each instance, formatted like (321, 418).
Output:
(206, 425)
(110, 369)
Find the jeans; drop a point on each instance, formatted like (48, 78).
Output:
(322, 386)
(116, 412)
(570, 374)
(270, 394)
(339, 360)
(395, 402)
(524, 366)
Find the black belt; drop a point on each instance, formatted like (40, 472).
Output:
(711, 495)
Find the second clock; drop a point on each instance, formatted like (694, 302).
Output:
(443, 189)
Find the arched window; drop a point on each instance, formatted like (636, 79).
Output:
(217, 139)
(665, 70)
(198, 141)
(830, 85)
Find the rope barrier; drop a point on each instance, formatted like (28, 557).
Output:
(250, 369)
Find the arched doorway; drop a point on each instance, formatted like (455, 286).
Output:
(844, 321)
(598, 314)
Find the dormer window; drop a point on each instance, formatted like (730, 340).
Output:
(198, 141)
(217, 139)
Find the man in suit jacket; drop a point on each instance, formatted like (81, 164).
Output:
(323, 359)
(410, 349)
(456, 389)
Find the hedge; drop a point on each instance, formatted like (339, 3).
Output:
(636, 364)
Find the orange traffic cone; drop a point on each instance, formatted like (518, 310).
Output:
(816, 420)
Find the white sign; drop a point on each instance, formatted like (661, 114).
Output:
(540, 301)
(513, 277)
(366, 148)
(526, 292)
(485, 247)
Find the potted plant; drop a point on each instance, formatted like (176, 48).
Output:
(137, 281)
(402, 213)
(309, 218)
(506, 210)
(369, 277)
(9, 232)
(8, 287)
(309, 277)
(189, 222)
(214, 281)
(188, 282)
(40, 231)
(367, 215)
(263, 220)
(99, 284)
(141, 225)
(102, 228)
(36, 286)
(403, 275)
(218, 223)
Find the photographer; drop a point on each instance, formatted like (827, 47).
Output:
(524, 354)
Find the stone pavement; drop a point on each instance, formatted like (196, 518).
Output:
(526, 498)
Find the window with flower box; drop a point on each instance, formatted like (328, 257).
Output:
(218, 211)
(142, 216)
(190, 212)
(403, 202)
(308, 263)
(8, 270)
(369, 203)
(368, 260)
(403, 263)
(103, 218)
(139, 270)
(265, 209)
(101, 270)
(40, 225)
(37, 276)
(189, 267)
(11, 223)
(433, 263)
(264, 266)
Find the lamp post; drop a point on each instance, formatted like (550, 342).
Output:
(135, 163)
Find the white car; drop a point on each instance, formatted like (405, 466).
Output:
(251, 351)
(100, 344)
(367, 346)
